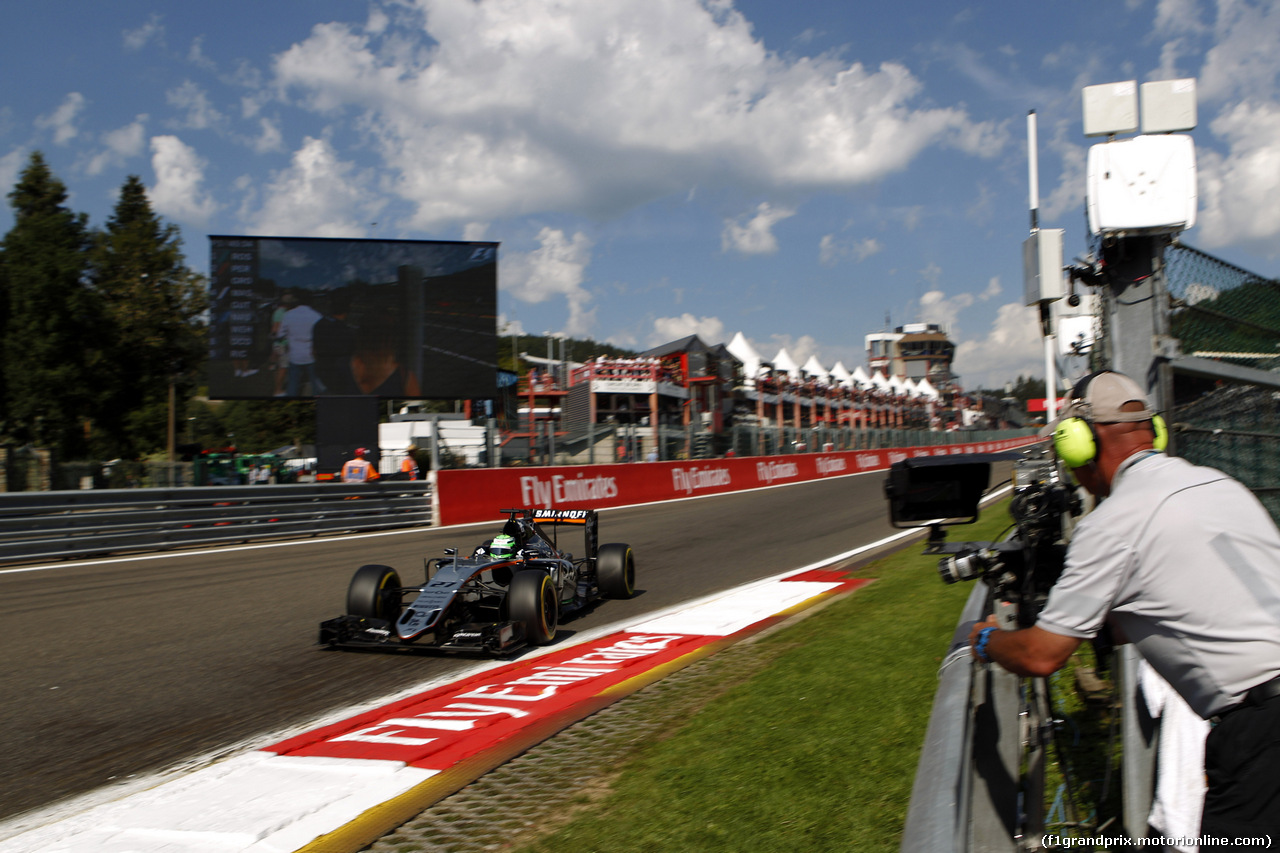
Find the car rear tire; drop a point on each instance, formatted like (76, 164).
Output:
(616, 570)
(375, 593)
(532, 600)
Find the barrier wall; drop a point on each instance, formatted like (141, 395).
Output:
(469, 495)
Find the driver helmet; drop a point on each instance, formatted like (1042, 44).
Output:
(503, 547)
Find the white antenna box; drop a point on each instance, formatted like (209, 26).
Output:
(1169, 106)
(1111, 108)
(1042, 266)
(1142, 185)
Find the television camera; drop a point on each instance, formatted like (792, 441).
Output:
(940, 491)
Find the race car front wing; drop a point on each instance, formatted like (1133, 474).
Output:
(492, 637)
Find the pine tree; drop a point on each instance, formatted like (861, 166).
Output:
(151, 304)
(51, 320)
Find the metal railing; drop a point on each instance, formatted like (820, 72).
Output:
(938, 817)
(54, 525)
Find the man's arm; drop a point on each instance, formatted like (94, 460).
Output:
(1032, 652)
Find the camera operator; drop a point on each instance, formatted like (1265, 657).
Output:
(1184, 562)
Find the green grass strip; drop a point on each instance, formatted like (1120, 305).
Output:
(816, 751)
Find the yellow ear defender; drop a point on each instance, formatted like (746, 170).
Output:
(1162, 433)
(1074, 442)
(1076, 445)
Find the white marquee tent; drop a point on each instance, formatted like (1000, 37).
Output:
(742, 350)
(814, 368)
(784, 363)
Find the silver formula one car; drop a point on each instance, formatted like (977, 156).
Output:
(510, 592)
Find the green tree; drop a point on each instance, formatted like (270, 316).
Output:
(1028, 388)
(52, 321)
(151, 304)
(257, 426)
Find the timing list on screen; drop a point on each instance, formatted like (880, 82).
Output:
(236, 301)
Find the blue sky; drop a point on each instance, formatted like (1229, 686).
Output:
(793, 171)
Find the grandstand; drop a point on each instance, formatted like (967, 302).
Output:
(684, 399)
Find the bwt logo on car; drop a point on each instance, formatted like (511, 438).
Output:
(693, 479)
(830, 465)
(534, 491)
(769, 471)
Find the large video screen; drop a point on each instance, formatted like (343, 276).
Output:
(296, 317)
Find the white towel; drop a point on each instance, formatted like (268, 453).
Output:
(1179, 796)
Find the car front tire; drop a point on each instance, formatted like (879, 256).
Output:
(375, 593)
(532, 600)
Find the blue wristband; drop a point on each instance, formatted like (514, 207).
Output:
(984, 637)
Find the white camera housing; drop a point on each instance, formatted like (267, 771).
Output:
(1142, 185)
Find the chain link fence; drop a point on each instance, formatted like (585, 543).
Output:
(1221, 312)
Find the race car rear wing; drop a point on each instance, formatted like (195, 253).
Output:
(554, 518)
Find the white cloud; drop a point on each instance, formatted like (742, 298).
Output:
(864, 249)
(269, 139)
(200, 112)
(557, 268)
(1013, 347)
(1178, 17)
(196, 55)
(137, 39)
(509, 106)
(11, 166)
(1011, 344)
(936, 307)
(800, 349)
(1065, 200)
(1242, 63)
(318, 195)
(509, 325)
(1238, 191)
(931, 273)
(377, 22)
(756, 236)
(121, 144)
(1172, 53)
(251, 104)
(832, 250)
(1239, 173)
(667, 329)
(62, 120)
(179, 171)
(475, 230)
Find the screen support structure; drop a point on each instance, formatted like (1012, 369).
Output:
(342, 425)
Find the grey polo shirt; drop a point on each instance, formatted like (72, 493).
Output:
(1186, 562)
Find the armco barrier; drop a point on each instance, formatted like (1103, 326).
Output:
(476, 494)
(53, 525)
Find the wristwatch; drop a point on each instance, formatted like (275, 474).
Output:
(980, 647)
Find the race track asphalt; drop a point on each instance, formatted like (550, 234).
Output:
(117, 668)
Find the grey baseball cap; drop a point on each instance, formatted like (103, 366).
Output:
(1100, 398)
